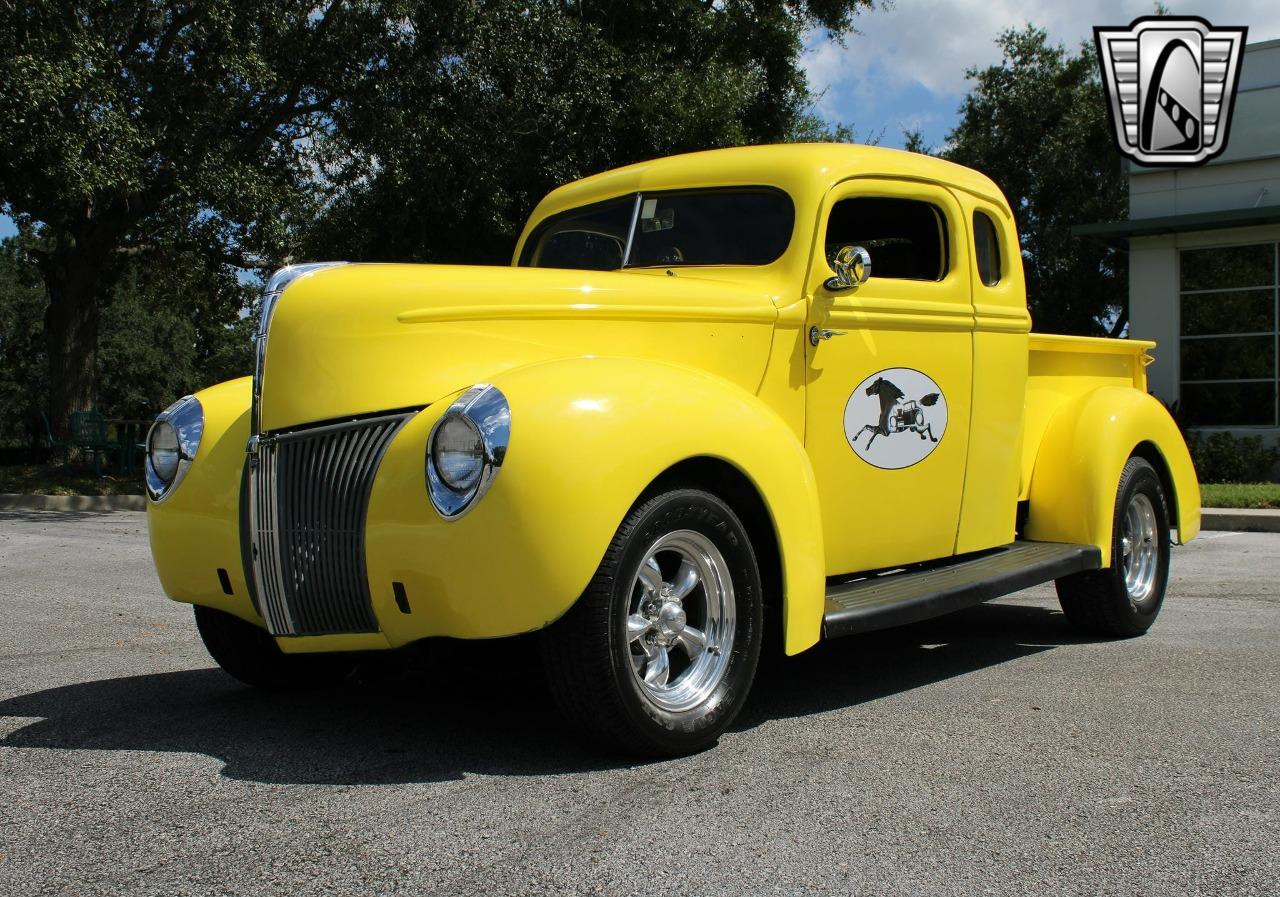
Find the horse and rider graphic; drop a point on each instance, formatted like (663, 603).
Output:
(898, 414)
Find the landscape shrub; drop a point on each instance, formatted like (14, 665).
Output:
(1223, 458)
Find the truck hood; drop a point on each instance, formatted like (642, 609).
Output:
(361, 338)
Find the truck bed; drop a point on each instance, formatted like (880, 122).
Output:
(1061, 368)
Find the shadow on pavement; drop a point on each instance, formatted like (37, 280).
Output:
(436, 714)
(859, 669)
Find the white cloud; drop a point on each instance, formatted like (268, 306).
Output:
(929, 44)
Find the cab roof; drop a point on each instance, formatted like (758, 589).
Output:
(802, 169)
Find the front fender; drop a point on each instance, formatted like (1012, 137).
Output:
(195, 531)
(587, 436)
(1078, 465)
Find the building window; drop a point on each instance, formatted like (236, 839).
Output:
(1230, 344)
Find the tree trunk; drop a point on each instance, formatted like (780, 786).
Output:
(71, 336)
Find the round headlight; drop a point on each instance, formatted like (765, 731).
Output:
(458, 452)
(164, 451)
(466, 449)
(172, 445)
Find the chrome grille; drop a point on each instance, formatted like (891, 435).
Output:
(309, 491)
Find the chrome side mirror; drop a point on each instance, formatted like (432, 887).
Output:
(852, 265)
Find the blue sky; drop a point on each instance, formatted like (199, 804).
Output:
(905, 69)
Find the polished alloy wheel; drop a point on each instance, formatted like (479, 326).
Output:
(1139, 547)
(681, 622)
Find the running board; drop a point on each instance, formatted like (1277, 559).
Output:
(895, 599)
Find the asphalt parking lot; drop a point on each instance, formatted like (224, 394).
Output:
(991, 752)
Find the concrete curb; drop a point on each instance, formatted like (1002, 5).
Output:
(13, 502)
(1240, 520)
(1212, 519)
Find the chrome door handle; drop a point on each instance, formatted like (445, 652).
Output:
(817, 333)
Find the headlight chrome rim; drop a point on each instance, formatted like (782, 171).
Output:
(485, 408)
(185, 418)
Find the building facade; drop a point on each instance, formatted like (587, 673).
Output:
(1204, 266)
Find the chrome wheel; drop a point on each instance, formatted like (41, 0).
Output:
(1139, 547)
(681, 622)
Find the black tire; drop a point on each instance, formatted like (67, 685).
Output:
(588, 656)
(251, 655)
(1099, 601)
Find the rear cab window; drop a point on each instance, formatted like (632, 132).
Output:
(986, 249)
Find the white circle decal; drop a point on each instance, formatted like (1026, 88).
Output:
(895, 418)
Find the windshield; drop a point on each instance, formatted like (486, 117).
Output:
(709, 227)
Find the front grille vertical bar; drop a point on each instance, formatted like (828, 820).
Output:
(327, 594)
(339, 583)
(264, 540)
(270, 543)
(344, 455)
(270, 566)
(360, 487)
(385, 435)
(329, 599)
(308, 550)
(272, 487)
(288, 489)
(275, 569)
(260, 537)
(328, 505)
(350, 518)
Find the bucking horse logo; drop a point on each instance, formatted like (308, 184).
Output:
(898, 414)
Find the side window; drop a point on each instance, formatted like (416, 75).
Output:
(905, 237)
(591, 237)
(581, 249)
(986, 247)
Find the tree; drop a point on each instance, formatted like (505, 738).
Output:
(149, 130)
(499, 102)
(1037, 125)
(22, 361)
(153, 349)
(168, 328)
(217, 134)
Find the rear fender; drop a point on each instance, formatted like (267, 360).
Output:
(1078, 464)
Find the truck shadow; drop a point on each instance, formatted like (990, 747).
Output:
(420, 718)
(861, 669)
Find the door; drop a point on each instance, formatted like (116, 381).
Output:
(888, 402)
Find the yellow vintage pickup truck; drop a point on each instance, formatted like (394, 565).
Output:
(717, 400)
